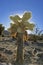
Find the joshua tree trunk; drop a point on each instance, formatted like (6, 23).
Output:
(19, 58)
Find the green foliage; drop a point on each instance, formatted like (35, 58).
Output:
(15, 19)
(13, 28)
(26, 16)
(22, 24)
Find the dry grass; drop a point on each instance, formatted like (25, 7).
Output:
(8, 46)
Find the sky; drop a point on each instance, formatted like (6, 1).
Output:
(12, 7)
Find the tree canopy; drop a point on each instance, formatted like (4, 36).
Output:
(21, 24)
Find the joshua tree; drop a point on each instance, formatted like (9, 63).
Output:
(20, 26)
(1, 29)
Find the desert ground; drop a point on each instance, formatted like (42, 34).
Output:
(33, 52)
